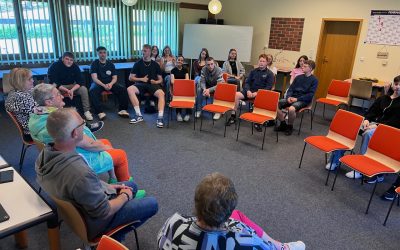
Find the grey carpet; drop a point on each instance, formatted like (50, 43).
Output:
(289, 203)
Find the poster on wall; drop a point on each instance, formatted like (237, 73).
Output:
(384, 28)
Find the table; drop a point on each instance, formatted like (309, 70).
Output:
(26, 209)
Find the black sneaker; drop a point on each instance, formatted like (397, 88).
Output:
(96, 126)
(258, 127)
(289, 130)
(231, 120)
(389, 196)
(282, 127)
(270, 123)
(377, 178)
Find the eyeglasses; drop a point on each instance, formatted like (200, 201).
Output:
(57, 95)
(80, 125)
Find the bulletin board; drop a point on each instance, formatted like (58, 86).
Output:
(384, 27)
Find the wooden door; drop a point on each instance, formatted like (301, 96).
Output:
(336, 51)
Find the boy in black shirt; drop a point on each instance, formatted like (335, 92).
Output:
(104, 78)
(146, 76)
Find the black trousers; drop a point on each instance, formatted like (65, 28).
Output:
(119, 91)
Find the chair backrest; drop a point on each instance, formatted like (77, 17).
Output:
(224, 95)
(384, 146)
(266, 103)
(108, 243)
(6, 83)
(344, 127)
(184, 90)
(19, 127)
(40, 145)
(361, 89)
(72, 217)
(339, 90)
(225, 76)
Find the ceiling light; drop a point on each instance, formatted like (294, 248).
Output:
(129, 2)
(214, 6)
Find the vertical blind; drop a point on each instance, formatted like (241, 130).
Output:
(39, 31)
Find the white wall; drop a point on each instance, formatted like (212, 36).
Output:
(258, 13)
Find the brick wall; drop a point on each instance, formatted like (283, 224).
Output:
(286, 33)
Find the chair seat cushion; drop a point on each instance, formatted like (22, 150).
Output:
(329, 101)
(325, 144)
(182, 104)
(216, 108)
(365, 165)
(255, 118)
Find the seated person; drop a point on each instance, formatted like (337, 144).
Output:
(390, 194)
(155, 54)
(234, 69)
(167, 63)
(259, 78)
(64, 174)
(385, 110)
(180, 72)
(270, 61)
(299, 95)
(104, 77)
(68, 78)
(147, 78)
(298, 69)
(210, 76)
(99, 154)
(19, 101)
(199, 64)
(217, 225)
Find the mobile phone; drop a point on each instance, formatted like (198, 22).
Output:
(6, 176)
(3, 214)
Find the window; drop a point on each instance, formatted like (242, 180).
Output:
(9, 45)
(107, 28)
(81, 29)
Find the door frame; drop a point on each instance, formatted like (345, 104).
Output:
(322, 36)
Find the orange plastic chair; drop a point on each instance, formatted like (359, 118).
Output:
(382, 156)
(184, 96)
(338, 94)
(25, 144)
(397, 190)
(225, 76)
(265, 109)
(108, 243)
(224, 101)
(342, 135)
(76, 222)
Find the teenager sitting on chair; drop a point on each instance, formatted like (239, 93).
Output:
(210, 76)
(299, 95)
(259, 78)
(234, 69)
(65, 175)
(180, 72)
(385, 110)
(217, 225)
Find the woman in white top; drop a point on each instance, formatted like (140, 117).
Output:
(234, 69)
(270, 60)
(167, 61)
(155, 54)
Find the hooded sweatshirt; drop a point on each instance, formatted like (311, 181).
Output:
(60, 74)
(66, 176)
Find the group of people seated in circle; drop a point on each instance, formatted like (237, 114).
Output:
(68, 166)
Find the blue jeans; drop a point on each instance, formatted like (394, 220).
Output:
(336, 155)
(167, 84)
(135, 209)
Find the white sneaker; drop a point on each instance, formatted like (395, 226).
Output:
(243, 103)
(186, 118)
(152, 103)
(123, 113)
(353, 174)
(198, 114)
(217, 116)
(298, 245)
(328, 165)
(101, 115)
(88, 116)
(179, 117)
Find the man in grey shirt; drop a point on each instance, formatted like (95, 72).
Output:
(210, 76)
(64, 174)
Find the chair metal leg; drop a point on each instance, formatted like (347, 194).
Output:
(326, 158)
(301, 122)
(370, 199)
(212, 118)
(237, 135)
(201, 120)
(276, 126)
(20, 157)
(329, 172)
(136, 239)
(315, 106)
(390, 208)
(226, 120)
(252, 128)
(312, 118)
(194, 119)
(262, 147)
(169, 116)
(302, 154)
(21, 160)
(337, 171)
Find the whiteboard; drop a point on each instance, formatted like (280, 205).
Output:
(384, 28)
(218, 39)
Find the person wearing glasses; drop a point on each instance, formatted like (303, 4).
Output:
(19, 101)
(146, 77)
(104, 76)
(99, 154)
(64, 174)
(67, 76)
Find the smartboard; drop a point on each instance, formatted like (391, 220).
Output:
(218, 39)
